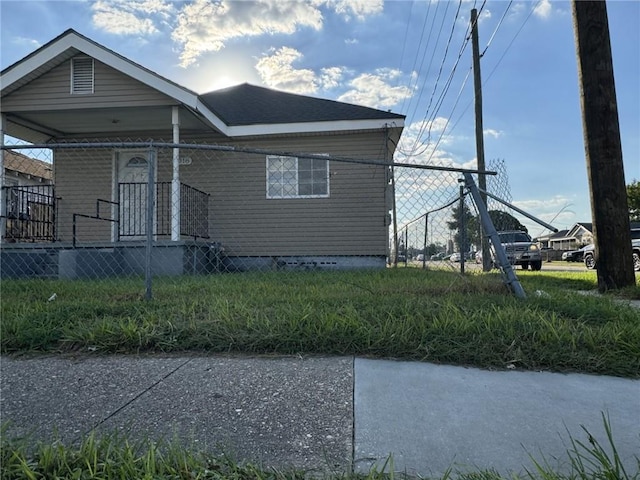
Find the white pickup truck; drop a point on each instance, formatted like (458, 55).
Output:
(520, 249)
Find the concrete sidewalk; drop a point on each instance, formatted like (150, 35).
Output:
(322, 414)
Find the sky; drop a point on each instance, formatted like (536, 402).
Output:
(410, 57)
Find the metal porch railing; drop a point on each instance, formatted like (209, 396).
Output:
(30, 213)
(194, 210)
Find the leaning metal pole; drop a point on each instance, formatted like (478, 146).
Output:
(511, 279)
(522, 212)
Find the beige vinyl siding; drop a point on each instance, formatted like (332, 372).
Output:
(52, 91)
(352, 221)
(81, 177)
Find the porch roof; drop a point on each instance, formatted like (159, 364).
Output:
(237, 111)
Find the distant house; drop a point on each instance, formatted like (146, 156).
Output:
(546, 241)
(28, 212)
(21, 170)
(261, 199)
(579, 235)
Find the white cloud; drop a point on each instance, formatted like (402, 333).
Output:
(277, 71)
(485, 15)
(369, 89)
(130, 17)
(543, 9)
(490, 132)
(436, 125)
(27, 42)
(375, 89)
(331, 77)
(360, 9)
(123, 23)
(203, 26)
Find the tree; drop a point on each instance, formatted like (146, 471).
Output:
(469, 222)
(501, 221)
(633, 199)
(505, 221)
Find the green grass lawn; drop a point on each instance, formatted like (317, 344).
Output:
(435, 316)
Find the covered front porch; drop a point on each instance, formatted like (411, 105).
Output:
(32, 246)
(31, 213)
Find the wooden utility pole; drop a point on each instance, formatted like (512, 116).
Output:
(603, 147)
(482, 179)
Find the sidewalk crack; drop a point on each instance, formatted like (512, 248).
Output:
(130, 401)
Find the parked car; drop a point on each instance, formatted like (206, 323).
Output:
(420, 257)
(455, 257)
(438, 256)
(590, 252)
(574, 255)
(520, 249)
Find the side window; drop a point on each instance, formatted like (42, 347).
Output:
(292, 177)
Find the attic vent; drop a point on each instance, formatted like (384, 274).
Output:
(81, 75)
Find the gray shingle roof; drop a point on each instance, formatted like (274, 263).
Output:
(247, 104)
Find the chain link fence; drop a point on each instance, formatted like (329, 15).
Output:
(436, 235)
(111, 210)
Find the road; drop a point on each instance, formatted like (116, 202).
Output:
(557, 266)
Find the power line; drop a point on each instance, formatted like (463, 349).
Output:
(496, 29)
(486, 80)
(423, 126)
(419, 72)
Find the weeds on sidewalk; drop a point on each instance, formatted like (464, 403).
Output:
(112, 457)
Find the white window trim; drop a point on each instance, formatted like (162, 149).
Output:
(297, 195)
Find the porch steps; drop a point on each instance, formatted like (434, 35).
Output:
(36, 263)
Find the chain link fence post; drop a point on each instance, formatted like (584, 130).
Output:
(150, 223)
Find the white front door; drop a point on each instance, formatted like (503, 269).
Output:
(133, 177)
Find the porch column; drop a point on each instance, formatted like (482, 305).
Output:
(3, 193)
(175, 181)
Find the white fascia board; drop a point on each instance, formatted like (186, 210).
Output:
(117, 62)
(33, 63)
(573, 231)
(148, 78)
(211, 118)
(312, 127)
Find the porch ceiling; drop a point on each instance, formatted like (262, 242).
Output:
(41, 126)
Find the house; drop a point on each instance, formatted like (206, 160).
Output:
(29, 213)
(268, 177)
(21, 170)
(579, 235)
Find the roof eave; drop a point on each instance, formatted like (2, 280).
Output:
(312, 127)
(73, 40)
